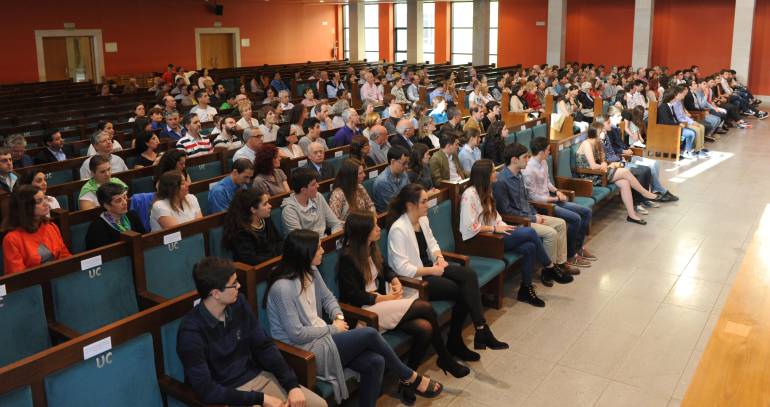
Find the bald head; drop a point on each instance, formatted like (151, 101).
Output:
(405, 128)
(379, 134)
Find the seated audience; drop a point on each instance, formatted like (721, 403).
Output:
(370, 92)
(419, 170)
(345, 134)
(55, 149)
(248, 232)
(251, 373)
(425, 135)
(139, 111)
(439, 111)
(194, 143)
(404, 136)
(7, 177)
(287, 143)
(494, 142)
(349, 193)
(470, 152)
(478, 214)
(18, 145)
(312, 129)
(474, 122)
(363, 277)
(316, 157)
(305, 208)
(371, 119)
(146, 145)
(379, 144)
(268, 175)
(252, 139)
(115, 219)
(173, 128)
(398, 91)
(444, 163)
(107, 127)
(511, 198)
(222, 192)
(227, 139)
(204, 112)
(31, 238)
(681, 115)
(38, 179)
(360, 149)
(173, 204)
(414, 252)
(284, 105)
(269, 127)
(321, 112)
(169, 161)
(298, 300)
(492, 115)
(102, 174)
(310, 99)
(392, 179)
(667, 115)
(103, 145)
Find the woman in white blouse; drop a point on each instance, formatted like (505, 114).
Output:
(287, 143)
(478, 214)
(247, 119)
(37, 178)
(268, 126)
(414, 252)
(173, 205)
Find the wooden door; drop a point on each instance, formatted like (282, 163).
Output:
(217, 51)
(55, 55)
(81, 58)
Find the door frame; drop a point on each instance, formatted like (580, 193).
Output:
(235, 31)
(96, 43)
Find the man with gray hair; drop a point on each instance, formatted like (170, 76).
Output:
(17, 144)
(102, 143)
(252, 139)
(395, 113)
(345, 134)
(378, 144)
(284, 104)
(405, 132)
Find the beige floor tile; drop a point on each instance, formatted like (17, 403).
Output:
(648, 284)
(705, 335)
(621, 394)
(626, 314)
(567, 387)
(694, 293)
(549, 339)
(599, 351)
(687, 375)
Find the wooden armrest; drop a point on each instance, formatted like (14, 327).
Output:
(148, 299)
(484, 244)
(181, 391)
(420, 285)
(580, 187)
(456, 257)
(62, 332)
(355, 314)
(638, 151)
(569, 193)
(515, 220)
(600, 173)
(543, 208)
(301, 361)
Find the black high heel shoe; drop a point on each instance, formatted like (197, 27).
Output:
(455, 369)
(637, 221)
(407, 392)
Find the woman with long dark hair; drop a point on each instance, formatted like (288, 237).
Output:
(359, 149)
(173, 160)
(367, 282)
(349, 193)
(419, 170)
(173, 204)
(248, 231)
(414, 252)
(268, 175)
(478, 214)
(494, 142)
(297, 300)
(146, 143)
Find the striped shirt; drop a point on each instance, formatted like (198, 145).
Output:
(193, 146)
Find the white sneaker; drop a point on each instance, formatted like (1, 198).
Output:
(640, 210)
(638, 144)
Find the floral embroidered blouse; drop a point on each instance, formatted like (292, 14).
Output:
(471, 219)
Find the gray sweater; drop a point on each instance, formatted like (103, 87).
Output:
(316, 216)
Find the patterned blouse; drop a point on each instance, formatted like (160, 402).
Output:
(339, 204)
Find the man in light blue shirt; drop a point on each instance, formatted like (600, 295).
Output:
(390, 181)
(222, 192)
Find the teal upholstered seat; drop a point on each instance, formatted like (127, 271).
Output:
(143, 184)
(524, 137)
(18, 398)
(203, 202)
(328, 270)
(78, 236)
(585, 202)
(599, 193)
(25, 328)
(336, 162)
(90, 299)
(204, 171)
(126, 379)
(59, 177)
(510, 257)
(64, 201)
(169, 267)
(215, 243)
(369, 186)
(275, 216)
(396, 338)
(541, 130)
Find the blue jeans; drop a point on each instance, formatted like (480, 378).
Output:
(524, 241)
(365, 351)
(712, 123)
(578, 219)
(654, 169)
(688, 136)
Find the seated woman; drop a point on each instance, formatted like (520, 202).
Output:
(367, 282)
(518, 104)
(349, 193)
(398, 91)
(419, 170)
(287, 142)
(478, 214)
(37, 178)
(531, 97)
(268, 175)
(31, 238)
(297, 116)
(269, 128)
(248, 232)
(425, 130)
(359, 150)
(414, 252)
(170, 161)
(139, 111)
(115, 219)
(438, 114)
(297, 300)
(371, 119)
(494, 142)
(310, 99)
(568, 105)
(146, 144)
(247, 119)
(634, 122)
(102, 171)
(106, 127)
(590, 154)
(173, 205)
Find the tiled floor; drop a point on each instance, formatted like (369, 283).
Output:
(631, 329)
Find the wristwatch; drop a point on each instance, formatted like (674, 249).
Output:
(339, 317)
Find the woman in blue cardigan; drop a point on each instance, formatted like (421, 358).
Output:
(297, 300)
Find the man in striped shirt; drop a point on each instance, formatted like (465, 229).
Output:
(193, 143)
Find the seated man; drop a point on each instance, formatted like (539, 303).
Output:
(392, 179)
(316, 155)
(18, 146)
(711, 122)
(305, 208)
(252, 139)
(540, 189)
(205, 112)
(404, 136)
(474, 122)
(345, 134)
(55, 149)
(395, 113)
(227, 356)
(102, 143)
(312, 129)
(444, 163)
(193, 143)
(512, 198)
(684, 117)
(378, 144)
(7, 177)
(173, 129)
(667, 116)
(223, 191)
(370, 91)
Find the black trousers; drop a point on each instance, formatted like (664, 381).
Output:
(461, 285)
(644, 176)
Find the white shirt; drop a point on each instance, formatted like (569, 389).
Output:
(308, 302)
(115, 147)
(116, 164)
(403, 250)
(243, 123)
(294, 152)
(453, 175)
(204, 114)
(471, 219)
(269, 135)
(245, 152)
(163, 208)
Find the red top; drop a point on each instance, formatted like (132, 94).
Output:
(168, 77)
(21, 248)
(532, 101)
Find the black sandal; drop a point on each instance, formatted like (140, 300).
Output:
(408, 391)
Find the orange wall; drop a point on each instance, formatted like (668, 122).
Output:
(759, 77)
(693, 32)
(600, 32)
(519, 40)
(279, 33)
(443, 32)
(386, 31)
